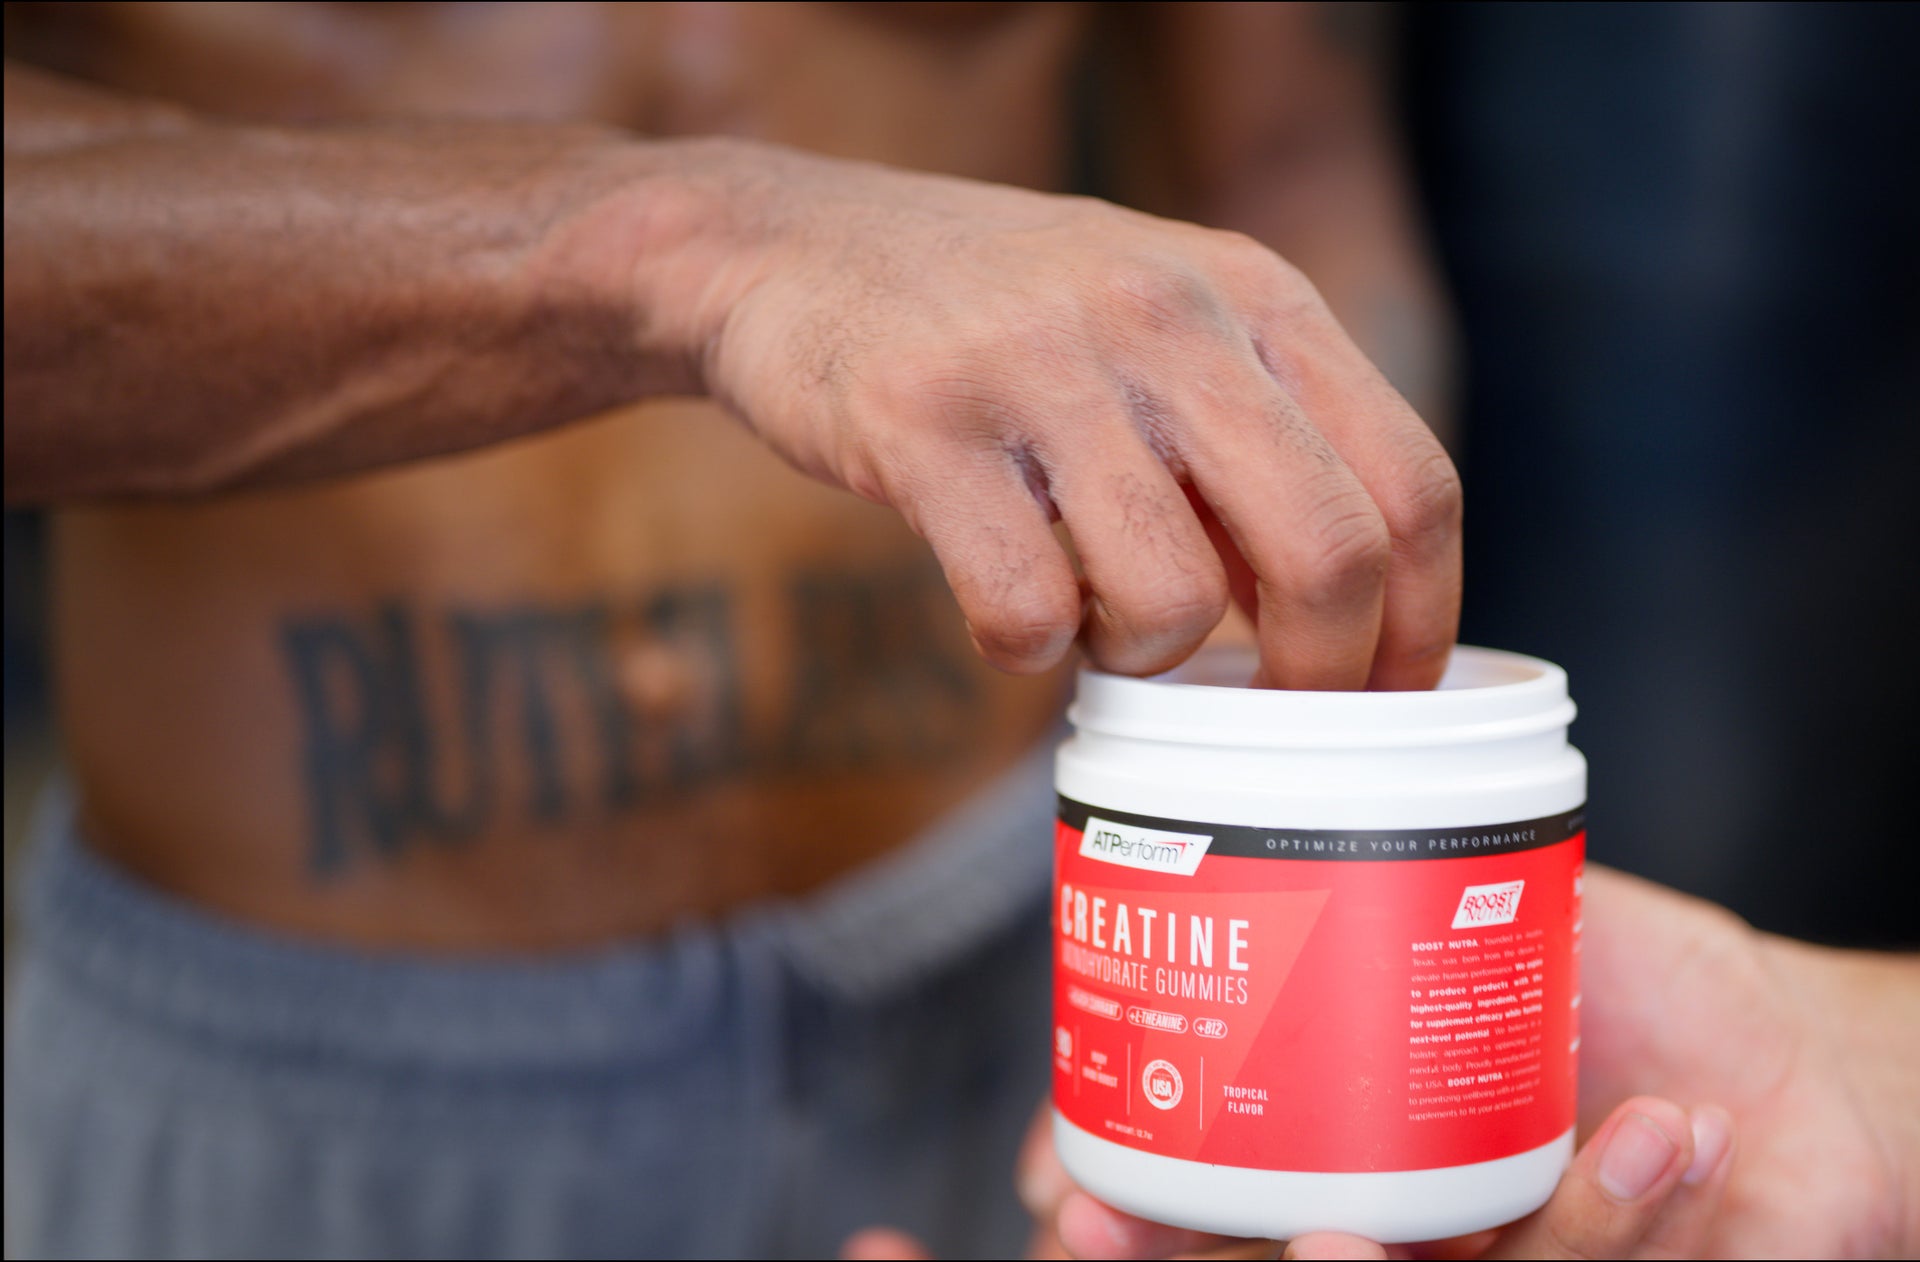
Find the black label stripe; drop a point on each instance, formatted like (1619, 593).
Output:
(1363, 845)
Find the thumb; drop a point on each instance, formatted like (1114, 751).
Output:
(1612, 1195)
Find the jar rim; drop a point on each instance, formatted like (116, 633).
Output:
(1485, 695)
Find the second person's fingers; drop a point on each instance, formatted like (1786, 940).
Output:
(1682, 1228)
(1333, 1245)
(1089, 1228)
(1613, 1194)
(875, 1244)
(1038, 1177)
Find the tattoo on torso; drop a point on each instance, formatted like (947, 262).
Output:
(526, 722)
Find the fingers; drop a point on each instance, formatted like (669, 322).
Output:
(1069, 1223)
(1635, 1184)
(1682, 1228)
(1334, 508)
(1646, 1185)
(1007, 571)
(1407, 476)
(1157, 587)
(1043, 1185)
(1091, 1229)
(1332, 1244)
(882, 1243)
(1453, 1249)
(1317, 545)
(1039, 1178)
(1320, 499)
(1340, 502)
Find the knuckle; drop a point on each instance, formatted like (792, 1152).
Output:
(1180, 603)
(1152, 628)
(1244, 256)
(998, 379)
(1035, 622)
(1161, 293)
(961, 392)
(961, 402)
(1253, 259)
(1427, 504)
(1279, 293)
(1349, 548)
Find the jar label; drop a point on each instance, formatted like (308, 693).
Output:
(1316, 1000)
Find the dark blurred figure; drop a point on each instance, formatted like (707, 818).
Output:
(26, 693)
(1685, 244)
(28, 728)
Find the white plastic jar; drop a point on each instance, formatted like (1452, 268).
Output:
(1315, 954)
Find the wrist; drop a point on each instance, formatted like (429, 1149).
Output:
(672, 234)
(1866, 1007)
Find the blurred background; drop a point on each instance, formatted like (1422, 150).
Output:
(1681, 241)
(1684, 250)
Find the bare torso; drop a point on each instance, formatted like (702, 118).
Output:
(584, 685)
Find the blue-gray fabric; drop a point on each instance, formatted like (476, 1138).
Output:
(177, 1085)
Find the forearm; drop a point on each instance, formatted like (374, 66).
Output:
(980, 358)
(193, 306)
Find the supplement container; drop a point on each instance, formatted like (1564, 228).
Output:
(1315, 952)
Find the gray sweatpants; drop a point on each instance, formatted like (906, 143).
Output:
(177, 1085)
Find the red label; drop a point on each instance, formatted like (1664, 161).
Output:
(1405, 1001)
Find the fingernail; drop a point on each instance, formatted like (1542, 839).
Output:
(1637, 1155)
(1712, 1137)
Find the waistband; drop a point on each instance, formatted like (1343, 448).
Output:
(865, 938)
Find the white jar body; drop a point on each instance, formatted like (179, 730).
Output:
(1365, 1016)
